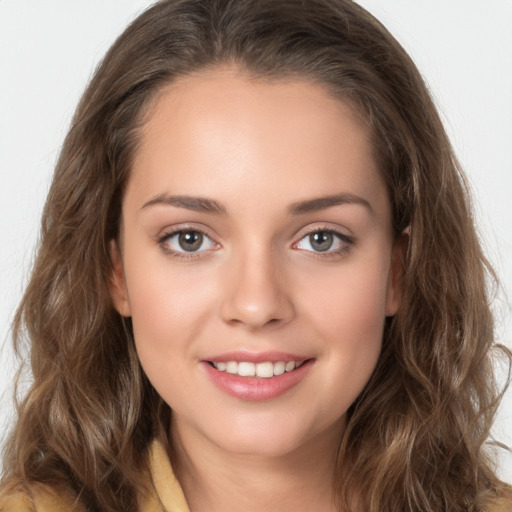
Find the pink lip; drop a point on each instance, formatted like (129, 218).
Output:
(254, 388)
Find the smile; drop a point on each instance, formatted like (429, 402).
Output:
(263, 370)
(258, 380)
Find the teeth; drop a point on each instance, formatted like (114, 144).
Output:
(231, 367)
(246, 369)
(279, 368)
(290, 365)
(264, 370)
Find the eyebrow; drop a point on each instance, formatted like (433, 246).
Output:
(198, 204)
(205, 205)
(321, 203)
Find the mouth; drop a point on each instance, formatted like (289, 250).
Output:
(262, 370)
(265, 377)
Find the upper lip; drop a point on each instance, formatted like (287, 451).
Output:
(256, 357)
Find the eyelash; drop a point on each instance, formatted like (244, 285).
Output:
(183, 255)
(346, 241)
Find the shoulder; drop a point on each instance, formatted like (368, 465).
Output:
(35, 497)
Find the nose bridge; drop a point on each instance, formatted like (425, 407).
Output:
(256, 294)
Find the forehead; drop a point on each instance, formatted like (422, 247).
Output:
(220, 130)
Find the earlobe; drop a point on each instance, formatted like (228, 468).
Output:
(117, 282)
(396, 274)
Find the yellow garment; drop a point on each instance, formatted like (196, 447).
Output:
(167, 495)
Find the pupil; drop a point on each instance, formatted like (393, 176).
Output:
(321, 241)
(190, 240)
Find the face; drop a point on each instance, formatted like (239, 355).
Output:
(256, 260)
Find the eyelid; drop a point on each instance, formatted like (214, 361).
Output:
(325, 227)
(347, 240)
(170, 232)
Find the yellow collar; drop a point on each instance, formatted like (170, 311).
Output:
(168, 492)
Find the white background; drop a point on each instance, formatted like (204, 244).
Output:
(48, 51)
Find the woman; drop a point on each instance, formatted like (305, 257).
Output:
(257, 223)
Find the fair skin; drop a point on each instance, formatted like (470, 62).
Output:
(229, 257)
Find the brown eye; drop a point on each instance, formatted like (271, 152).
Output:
(190, 241)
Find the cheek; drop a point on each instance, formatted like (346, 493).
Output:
(348, 302)
(165, 297)
(169, 312)
(348, 315)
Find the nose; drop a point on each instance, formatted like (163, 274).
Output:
(256, 293)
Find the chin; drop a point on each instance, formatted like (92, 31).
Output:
(278, 437)
(264, 445)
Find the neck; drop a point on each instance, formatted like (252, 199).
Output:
(215, 480)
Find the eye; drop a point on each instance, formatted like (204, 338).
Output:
(187, 241)
(327, 241)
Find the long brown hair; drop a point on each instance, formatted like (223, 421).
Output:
(415, 437)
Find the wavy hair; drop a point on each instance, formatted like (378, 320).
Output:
(415, 438)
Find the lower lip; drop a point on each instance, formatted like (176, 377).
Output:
(254, 388)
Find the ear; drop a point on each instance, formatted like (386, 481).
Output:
(396, 274)
(117, 282)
